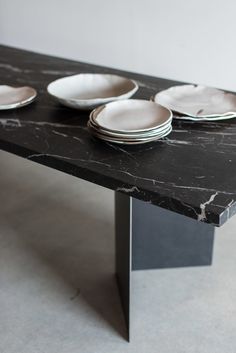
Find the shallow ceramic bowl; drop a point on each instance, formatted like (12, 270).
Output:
(87, 91)
(16, 97)
(198, 101)
(131, 116)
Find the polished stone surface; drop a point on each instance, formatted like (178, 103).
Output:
(191, 172)
(58, 292)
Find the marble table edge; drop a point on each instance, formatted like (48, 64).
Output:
(204, 213)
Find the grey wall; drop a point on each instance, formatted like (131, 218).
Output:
(192, 40)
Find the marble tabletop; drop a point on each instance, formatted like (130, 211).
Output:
(191, 172)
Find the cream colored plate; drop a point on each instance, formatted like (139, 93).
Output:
(132, 115)
(198, 101)
(132, 141)
(212, 118)
(87, 91)
(133, 136)
(16, 97)
(92, 124)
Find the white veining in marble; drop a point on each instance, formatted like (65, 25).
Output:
(14, 68)
(57, 72)
(35, 155)
(127, 190)
(59, 133)
(20, 123)
(11, 122)
(202, 215)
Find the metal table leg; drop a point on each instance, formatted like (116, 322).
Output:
(148, 237)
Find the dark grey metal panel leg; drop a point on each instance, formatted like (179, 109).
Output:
(123, 236)
(164, 239)
(148, 236)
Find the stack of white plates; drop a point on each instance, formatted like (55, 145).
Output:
(130, 121)
(198, 102)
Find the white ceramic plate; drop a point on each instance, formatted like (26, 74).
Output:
(198, 101)
(132, 116)
(93, 124)
(132, 141)
(130, 136)
(133, 136)
(215, 118)
(87, 91)
(16, 97)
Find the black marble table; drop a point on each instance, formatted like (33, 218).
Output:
(190, 175)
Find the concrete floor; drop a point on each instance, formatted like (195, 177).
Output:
(57, 288)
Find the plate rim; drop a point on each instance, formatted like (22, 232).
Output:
(100, 108)
(133, 142)
(128, 136)
(21, 103)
